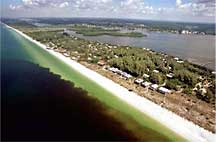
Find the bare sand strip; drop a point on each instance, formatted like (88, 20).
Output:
(179, 125)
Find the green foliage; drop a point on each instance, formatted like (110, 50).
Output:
(187, 77)
(156, 78)
(187, 91)
(173, 84)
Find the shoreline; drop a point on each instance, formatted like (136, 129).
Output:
(185, 128)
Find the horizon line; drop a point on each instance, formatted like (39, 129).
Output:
(120, 18)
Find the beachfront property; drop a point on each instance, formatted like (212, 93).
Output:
(164, 90)
(153, 87)
(122, 73)
(138, 81)
(146, 84)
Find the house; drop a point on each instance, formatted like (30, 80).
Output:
(176, 58)
(138, 81)
(146, 84)
(145, 75)
(155, 71)
(164, 90)
(101, 63)
(126, 75)
(153, 87)
(180, 62)
(169, 75)
(112, 69)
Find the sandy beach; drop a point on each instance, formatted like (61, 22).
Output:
(179, 125)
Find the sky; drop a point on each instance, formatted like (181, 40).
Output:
(166, 10)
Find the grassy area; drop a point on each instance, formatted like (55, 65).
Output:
(128, 115)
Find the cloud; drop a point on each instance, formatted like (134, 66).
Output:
(197, 7)
(115, 8)
(136, 7)
(13, 7)
(31, 4)
(64, 4)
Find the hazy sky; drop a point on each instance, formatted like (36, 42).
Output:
(175, 10)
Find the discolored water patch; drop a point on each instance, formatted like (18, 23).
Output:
(38, 105)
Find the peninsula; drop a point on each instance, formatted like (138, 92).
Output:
(101, 65)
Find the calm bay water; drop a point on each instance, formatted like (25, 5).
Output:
(40, 105)
(194, 48)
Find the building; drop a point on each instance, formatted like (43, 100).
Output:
(169, 75)
(126, 75)
(138, 81)
(180, 62)
(155, 71)
(145, 75)
(164, 90)
(146, 84)
(112, 69)
(153, 87)
(176, 58)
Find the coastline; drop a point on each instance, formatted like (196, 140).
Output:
(185, 128)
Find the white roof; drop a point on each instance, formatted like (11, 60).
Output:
(165, 90)
(155, 86)
(139, 80)
(169, 75)
(180, 61)
(156, 71)
(176, 58)
(145, 75)
(146, 83)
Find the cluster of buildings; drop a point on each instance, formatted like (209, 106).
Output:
(139, 81)
(152, 86)
(122, 73)
(191, 32)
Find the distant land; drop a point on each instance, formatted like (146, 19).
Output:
(170, 26)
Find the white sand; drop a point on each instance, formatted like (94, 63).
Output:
(179, 125)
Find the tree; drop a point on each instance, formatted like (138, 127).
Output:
(156, 78)
(187, 77)
(172, 84)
